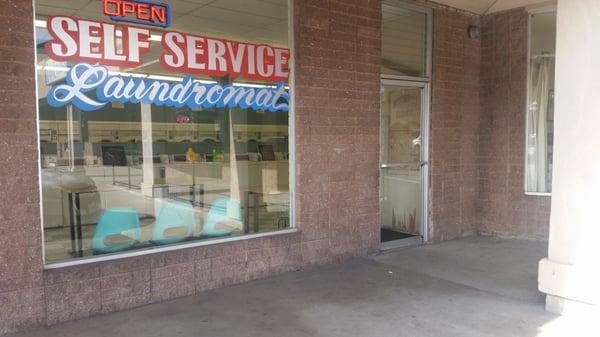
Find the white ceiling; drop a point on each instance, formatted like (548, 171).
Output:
(258, 21)
(490, 6)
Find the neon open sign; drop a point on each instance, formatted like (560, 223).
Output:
(139, 11)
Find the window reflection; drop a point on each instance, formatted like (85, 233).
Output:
(540, 109)
(132, 176)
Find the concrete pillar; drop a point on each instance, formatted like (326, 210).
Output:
(570, 276)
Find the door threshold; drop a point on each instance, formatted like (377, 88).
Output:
(402, 243)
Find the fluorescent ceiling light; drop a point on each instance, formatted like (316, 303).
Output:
(127, 74)
(250, 85)
(153, 37)
(165, 78)
(176, 79)
(55, 68)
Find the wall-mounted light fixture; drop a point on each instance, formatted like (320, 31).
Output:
(473, 32)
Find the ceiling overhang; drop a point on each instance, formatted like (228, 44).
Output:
(491, 6)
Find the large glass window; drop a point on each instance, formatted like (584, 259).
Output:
(540, 107)
(161, 123)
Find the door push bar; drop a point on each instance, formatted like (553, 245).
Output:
(408, 164)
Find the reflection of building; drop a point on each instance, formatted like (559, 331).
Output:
(122, 125)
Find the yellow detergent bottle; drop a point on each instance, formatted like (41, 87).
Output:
(190, 155)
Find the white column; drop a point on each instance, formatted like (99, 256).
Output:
(570, 276)
(147, 151)
(70, 138)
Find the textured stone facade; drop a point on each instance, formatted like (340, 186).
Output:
(504, 208)
(477, 135)
(476, 153)
(455, 109)
(22, 301)
(337, 127)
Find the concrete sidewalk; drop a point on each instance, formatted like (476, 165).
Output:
(471, 287)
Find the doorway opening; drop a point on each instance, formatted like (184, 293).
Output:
(405, 72)
(403, 163)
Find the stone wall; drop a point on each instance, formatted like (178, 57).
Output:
(504, 208)
(476, 182)
(455, 110)
(337, 127)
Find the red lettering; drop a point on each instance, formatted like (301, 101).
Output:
(117, 9)
(90, 41)
(127, 8)
(159, 14)
(201, 55)
(143, 12)
(174, 57)
(95, 42)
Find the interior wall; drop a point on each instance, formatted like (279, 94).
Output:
(503, 207)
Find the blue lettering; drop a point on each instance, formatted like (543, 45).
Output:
(83, 78)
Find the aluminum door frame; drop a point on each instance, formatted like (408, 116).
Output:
(424, 162)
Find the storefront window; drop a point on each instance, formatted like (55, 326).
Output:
(540, 108)
(161, 123)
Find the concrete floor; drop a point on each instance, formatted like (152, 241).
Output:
(470, 287)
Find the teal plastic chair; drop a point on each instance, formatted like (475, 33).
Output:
(118, 229)
(176, 222)
(222, 210)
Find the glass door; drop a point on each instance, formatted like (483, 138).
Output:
(403, 162)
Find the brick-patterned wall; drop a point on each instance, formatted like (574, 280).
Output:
(477, 134)
(505, 209)
(22, 301)
(455, 110)
(337, 125)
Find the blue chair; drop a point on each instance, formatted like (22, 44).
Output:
(176, 222)
(222, 210)
(118, 229)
